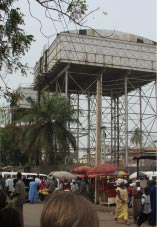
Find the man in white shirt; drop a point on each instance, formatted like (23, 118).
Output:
(8, 184)
(145, 208)
(74, 186)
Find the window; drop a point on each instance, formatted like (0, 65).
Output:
(139, 40)
(83, 32)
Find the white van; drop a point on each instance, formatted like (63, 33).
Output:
(24, 175)
(10, 174)
(152, 175)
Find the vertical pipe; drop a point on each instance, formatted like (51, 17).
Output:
(88, 136)
(77, 142)
(98, 130)
(111, 126)
(118, 131)
(115, 133)
(140, 101)
(66, 95)
(98, 121)
(104, 145)
(126, 122)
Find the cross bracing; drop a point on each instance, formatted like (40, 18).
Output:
(120, 76)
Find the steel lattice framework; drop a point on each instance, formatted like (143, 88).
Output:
(111, 83)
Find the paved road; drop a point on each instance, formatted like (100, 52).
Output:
(32, 214)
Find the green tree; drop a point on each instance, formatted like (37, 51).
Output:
(14, 42)
(44, 128)
(136, 137)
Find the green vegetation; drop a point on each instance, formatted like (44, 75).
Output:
(41, 132)
(137, 137)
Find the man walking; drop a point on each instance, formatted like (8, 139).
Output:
(19, 196)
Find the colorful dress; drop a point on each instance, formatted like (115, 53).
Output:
(121, 212)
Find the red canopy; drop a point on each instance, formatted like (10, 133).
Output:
(102, 169)
(81, 170)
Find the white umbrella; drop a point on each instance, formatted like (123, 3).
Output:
(63, 174)
(134, 175)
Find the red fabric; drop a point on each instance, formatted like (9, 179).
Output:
(102, 169)
(42, 184)
(66, 186)
(81, 170)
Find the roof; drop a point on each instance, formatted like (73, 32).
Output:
(112, 34)
(151, 157)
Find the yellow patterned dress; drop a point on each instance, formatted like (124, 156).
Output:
(121, 212)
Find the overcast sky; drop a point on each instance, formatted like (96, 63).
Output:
(132, 16)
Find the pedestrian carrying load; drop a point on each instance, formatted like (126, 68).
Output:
(119, 181)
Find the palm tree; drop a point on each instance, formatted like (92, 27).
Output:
(45, 127)
(136, 137)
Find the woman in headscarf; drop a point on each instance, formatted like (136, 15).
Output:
(121, 212)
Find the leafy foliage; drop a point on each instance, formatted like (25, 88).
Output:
(44, 127)
(136, 137)
(73, 9)
(13, 40)
(77, 9)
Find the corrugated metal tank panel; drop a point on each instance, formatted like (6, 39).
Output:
(102, 48)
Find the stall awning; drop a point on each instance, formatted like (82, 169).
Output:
(101, 170)
(81, 170)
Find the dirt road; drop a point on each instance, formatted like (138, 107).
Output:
(32, 214)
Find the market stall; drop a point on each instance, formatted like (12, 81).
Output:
(105, 176)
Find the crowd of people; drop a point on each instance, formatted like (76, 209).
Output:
(69, 203)
(141, 199)
(38, 187)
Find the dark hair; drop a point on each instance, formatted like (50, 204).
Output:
(147, 190)
(9, 217)
(67, 209)
(19, 175)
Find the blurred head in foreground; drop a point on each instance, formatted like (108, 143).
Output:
(9, 217)
(67, 209)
